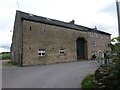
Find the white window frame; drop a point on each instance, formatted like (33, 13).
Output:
(94, 53)
(97, 36)
(102, 37)
(62, 51)
(107, 37)
(91, 34)
(41, 52)
(94, 44)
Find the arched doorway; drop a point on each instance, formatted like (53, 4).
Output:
(81, 47)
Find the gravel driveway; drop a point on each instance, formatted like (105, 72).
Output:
(62, 75)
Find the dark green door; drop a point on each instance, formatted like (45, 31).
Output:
(80, 48)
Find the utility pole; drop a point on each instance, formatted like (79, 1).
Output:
(18, 4)
(118, 14)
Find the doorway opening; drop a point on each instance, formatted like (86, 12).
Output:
(81, 48)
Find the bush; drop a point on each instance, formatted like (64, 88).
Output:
(108, 75)
(88, 82)
(93, 57)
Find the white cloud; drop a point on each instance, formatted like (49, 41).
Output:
(6, 37)
(4, 50)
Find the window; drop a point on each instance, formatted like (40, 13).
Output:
(30, 28)
(57, 32)
(19, 51)
(42, 31)
(97, 36)
(102, 37)
(107, 37)
(12, 54)
(62, 51)
(94, 53)
(41, 52)
(91, 34)
(30, 48)
(94, 44)
(100, 53)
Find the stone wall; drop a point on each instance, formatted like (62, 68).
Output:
(16, 45)
(51, 38)
(30, 36)
(102, 41)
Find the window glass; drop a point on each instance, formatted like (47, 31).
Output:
(91, 34)
(97, 36)
(94, 44)
(107, 37)
(41, 52)
(102, 37)
(62, 51)
(94, 53)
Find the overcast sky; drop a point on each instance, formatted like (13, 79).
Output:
(89, 13)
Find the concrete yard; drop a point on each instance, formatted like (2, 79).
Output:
(61, 75)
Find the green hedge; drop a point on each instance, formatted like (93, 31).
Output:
(5, 56)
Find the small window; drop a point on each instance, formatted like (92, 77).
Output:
(100, 53)
(97, 36)
(12, 54)
(102, 37)
(94, 53)
(94, 44)
(62, 51)
(41, 52)
(30, 28)
(91, 34)
(57, 32)
(43, 30)
(107, 37)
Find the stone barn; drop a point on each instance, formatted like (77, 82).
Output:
(40, 40)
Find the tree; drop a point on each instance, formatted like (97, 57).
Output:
(108, 76)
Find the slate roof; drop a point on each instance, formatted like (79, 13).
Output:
(35, 18)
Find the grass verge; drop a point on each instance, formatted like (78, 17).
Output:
(87, 82)
(12, 63)
(5, 55)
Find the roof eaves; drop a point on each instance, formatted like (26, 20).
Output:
(98, 31)
(35, 18)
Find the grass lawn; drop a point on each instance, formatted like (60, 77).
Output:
(88, 82)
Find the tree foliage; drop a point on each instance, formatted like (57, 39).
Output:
(108, 75)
